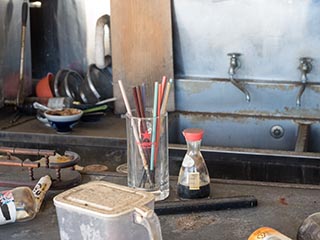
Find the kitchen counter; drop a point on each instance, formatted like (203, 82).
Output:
(281, 206)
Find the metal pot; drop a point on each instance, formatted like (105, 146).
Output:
(98, 83)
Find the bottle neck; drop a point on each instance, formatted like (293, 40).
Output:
(193, 146)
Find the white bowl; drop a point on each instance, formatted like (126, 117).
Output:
(63, 120)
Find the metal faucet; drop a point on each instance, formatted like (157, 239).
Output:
(235, 65)
(305, 67)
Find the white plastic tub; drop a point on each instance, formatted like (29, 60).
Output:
(101, 210)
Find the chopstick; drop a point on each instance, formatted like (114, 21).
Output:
(166, 97)
(160, 102)
(127, 105)
(159, 118)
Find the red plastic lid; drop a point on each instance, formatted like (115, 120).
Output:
(193, 134)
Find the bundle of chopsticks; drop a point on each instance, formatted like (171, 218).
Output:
(160, 102)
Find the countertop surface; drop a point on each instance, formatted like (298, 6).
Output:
(280, 206)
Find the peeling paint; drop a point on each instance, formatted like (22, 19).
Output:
(194, 87)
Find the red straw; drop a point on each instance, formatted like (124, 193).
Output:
(163, 84)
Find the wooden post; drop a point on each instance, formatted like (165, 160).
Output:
(141, 40)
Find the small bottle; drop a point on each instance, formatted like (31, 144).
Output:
(21, 203)
(266, 233)
(310, 228)
(59, 102)
(194, 180)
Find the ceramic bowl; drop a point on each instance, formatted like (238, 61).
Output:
(63, 120)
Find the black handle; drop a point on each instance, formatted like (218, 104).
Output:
(206, 204)
(24, 13)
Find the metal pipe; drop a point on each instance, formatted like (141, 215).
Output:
(24, 17)
(241, 88)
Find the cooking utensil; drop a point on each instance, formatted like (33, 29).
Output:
(96, 86)
(204, 204)
(92, 117)
(96, 109)
(43, 87)
(24, 17)
(58, 81)
(41, 107)
(86, 94)
(72, 84)
(98, 83)
(103, 60)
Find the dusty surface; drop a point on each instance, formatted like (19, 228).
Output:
(280, 206)
(192, 222)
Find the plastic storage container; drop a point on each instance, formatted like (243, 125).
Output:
(102, 210)
(310, 228)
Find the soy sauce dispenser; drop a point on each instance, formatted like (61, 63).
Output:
(194, 180)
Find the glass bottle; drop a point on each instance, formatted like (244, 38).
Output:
(194, 180)
(267, 233)
(21, 203)
(310, 228)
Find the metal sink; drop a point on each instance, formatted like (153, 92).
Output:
(249, 147)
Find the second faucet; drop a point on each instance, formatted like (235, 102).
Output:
(235, 65)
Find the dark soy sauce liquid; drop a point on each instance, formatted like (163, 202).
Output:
(185, 192)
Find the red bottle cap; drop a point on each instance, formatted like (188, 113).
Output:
(193, 134)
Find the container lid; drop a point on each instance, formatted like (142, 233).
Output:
(193, 134)
(103, 198)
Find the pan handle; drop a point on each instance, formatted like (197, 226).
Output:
(101, 60)
(24, 13)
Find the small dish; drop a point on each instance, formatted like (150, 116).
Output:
(63, 120)
(92, 117)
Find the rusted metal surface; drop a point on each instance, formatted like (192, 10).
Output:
(273, 98)
(69, 159)
(239, 116)
(27, 151)
(302, 138)
(17, 162)
(251, 129)
(252, 151)
(57, 164)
